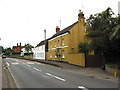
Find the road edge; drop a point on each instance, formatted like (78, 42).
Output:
(13, 82)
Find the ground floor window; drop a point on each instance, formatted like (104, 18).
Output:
(50, 54)
(55, 54)
(63, 54)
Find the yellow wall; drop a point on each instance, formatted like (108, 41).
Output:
(77, 59)
(53, 49)
(71, 41)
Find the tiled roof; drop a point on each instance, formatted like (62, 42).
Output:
(41, 43)
(57, 34)
(63, 31)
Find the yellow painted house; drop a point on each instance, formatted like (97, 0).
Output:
(63, 46)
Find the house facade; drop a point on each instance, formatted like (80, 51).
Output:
(63, 46)
(39, 51)
(17, 49)
(23, 51)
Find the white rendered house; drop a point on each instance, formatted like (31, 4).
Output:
(39, 51)
(24, 51)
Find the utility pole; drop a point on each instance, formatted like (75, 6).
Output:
(45, 42)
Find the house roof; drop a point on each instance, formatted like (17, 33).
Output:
(57, 34)
(41, 43)
(63, 31)
(17, 47)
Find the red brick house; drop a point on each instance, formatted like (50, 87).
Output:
(17, 48)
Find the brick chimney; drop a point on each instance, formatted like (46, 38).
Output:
(20, 43)
(57, 29)
(80, 16)
(17, 44)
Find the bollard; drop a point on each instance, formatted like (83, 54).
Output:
(115, 74)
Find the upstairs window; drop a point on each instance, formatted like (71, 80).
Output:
(55, 44)
(62, 42)
(58, 43)
(50, 46)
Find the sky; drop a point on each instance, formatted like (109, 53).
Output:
(25, 20)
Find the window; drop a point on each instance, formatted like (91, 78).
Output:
(55, 44)
(58, 43)
(42, 47)
(50, 46)
(55, 54)
(50, 54)
(62, 42)
(63, 56)
(85, 29)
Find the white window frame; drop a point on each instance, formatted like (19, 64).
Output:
(55, 54)
(55, 44)
(62, 42)
(50, 54)
(50, 46)
(58, 43)
(85, 29)
(63, 53)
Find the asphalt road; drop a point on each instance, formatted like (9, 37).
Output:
(29, 74)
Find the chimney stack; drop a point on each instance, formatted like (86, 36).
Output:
(57, 29)
(20, 43)
(17, 44)
(80, 15)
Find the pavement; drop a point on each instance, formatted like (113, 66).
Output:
(89, 71)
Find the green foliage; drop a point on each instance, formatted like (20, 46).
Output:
(104, 33)
(28, 48)
(7, 51)
(84, 47)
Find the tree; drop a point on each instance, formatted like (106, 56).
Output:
(104, 33)
(7, 51)
(28, 48)
(84, 47)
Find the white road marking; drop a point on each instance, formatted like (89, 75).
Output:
(83, 88)
(28, 65)
(7, 64)
(15, 63)
(56, 77)
(36, 69)
(14, 79)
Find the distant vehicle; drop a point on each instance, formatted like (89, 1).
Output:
(3, 56)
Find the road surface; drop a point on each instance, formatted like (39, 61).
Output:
(30, 74)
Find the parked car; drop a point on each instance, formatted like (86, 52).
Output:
(3, 56)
